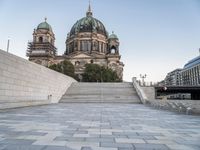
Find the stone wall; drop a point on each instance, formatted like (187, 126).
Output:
(149, 92)
(24, 83)
(177, 105)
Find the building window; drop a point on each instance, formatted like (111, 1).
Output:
(113, 50)
(99, 46)
(40, 39)
(102, 47)
(86, 45)
(77, 63)
(89, 46)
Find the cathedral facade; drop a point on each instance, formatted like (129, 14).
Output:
(87, 42)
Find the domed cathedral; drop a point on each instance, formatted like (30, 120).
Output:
(87, 42)
(42, 50)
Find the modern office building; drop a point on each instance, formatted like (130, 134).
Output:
(190, 74)
(173, 78)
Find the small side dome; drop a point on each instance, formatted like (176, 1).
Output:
(113, 36)
(44, 25)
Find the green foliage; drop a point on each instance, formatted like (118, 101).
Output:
(96, 73)
(56, 67)
(65, 67)
(92, 73)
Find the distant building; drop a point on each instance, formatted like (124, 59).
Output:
(191, 72)
(173, 78)
(188, 76)
(161, 83)
(87, 42)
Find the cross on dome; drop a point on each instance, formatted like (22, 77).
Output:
(89, 12)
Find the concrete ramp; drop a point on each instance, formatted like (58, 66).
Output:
(100, 93)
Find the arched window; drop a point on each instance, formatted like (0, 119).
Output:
(102, 47)
(86, 45)
(40, 39)
(83, 46)
(77, 63)
(89, 46)
(113, 50)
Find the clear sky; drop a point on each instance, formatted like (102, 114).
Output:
(156, 36)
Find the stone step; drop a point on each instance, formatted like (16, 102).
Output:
(100, 93)
(133, 99)
(101, 100)
(99, 97)
(81, 84)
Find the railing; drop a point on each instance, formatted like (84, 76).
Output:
(139, 91)
(147, 84)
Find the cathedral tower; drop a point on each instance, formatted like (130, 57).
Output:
(113, 56)
(42, 50)
(113, 44)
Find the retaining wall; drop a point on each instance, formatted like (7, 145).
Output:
(149, 92)
(24, 83)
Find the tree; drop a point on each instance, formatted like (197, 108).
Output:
(109, 75)
(68, 68)
(96, 73)
(56, 67)
(92, 73)
(65, 67)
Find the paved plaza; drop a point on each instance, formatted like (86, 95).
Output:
(97, 127)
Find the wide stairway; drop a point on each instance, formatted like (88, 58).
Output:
(100, 93)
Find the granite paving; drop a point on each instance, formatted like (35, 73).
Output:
(97, 126)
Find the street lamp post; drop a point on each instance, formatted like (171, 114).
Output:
(101, 76)
(8, 44)
(143, 77)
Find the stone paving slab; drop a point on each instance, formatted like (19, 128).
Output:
(97, 127)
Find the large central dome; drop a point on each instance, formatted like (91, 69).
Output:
(89, 36)
(88, 24)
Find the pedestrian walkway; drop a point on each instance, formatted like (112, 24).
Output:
(97, 126)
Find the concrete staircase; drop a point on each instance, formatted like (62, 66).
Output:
(100, 93)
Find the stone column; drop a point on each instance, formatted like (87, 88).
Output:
(78, 45)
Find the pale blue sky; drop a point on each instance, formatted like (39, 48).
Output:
(156, 36)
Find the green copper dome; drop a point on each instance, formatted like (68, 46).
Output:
(113, 36)
(88, 24)
(44, 25)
